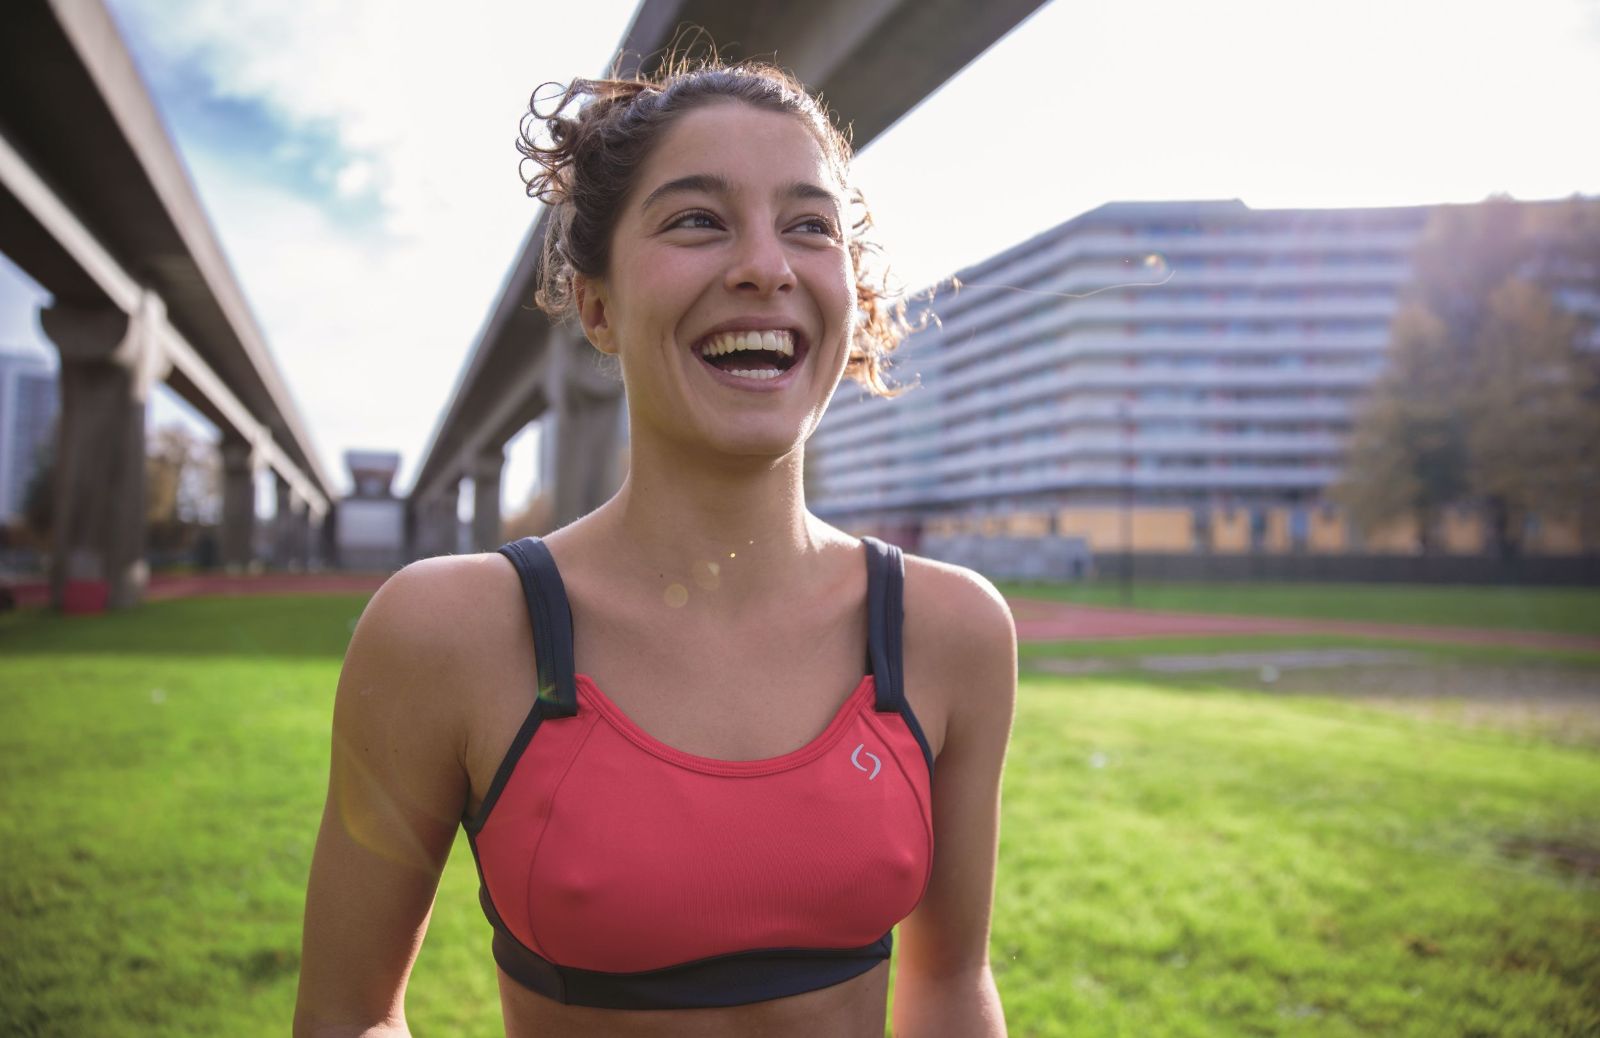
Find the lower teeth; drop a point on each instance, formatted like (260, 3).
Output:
(768, 373)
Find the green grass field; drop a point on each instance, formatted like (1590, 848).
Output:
(1178, 857)
(1565, 610)
(1130, 649)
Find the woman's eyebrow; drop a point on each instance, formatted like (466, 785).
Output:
(714, 184)
(805, 189)
(702, 183)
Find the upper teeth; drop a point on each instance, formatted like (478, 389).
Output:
(726, 342)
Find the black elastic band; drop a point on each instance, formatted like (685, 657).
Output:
(885, 620)
(738, 978)
(883, 635)
(551, 617)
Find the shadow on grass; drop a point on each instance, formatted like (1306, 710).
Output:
(1530, 697)
(304, 626)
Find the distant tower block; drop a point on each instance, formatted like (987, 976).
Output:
(371, 521)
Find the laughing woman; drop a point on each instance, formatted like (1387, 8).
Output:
(709, 751)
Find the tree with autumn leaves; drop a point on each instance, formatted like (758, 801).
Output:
(183, 491)
(1491, 394)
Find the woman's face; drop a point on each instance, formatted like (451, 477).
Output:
(732, 242)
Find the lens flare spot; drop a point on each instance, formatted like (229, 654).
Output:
(706, 575)
(377, 813)
(676, 595)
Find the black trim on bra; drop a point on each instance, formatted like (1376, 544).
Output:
(551, 616)
(734, 979)
(885, 621)
(502, 775)
(557, 694)
(484, 900)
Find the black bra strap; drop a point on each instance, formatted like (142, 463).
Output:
(885, 615)
(886, 569)
(885, 619)
(551, 617)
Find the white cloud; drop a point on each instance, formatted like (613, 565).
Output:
(354, 179)
(1366, 102)
(369, 331)
(370, 320)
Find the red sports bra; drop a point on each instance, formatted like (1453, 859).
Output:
(619, 872)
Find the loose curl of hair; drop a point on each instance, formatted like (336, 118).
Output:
(597, 135)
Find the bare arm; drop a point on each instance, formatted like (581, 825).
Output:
(396, 790)
(943, 984)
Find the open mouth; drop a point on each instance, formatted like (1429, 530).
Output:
(754, 355)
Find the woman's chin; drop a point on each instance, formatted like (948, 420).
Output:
(753, 442)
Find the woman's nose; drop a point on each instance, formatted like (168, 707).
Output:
(760, 265)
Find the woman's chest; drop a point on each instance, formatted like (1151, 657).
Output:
(754, 692)
(727, 706)
(747, 692)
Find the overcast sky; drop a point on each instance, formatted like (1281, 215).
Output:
(356, 158)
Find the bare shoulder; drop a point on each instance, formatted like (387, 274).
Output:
(959, 604)
(427, 630)
(446, 603)
(960, 636)
(448, 580)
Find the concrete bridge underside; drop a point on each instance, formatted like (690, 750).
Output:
(872, 60)
(95, 206)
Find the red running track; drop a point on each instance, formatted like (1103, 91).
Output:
(164, 586)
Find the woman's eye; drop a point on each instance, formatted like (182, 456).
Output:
(695, 221)
(817, 225)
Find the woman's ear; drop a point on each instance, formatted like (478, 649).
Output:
(591, 299)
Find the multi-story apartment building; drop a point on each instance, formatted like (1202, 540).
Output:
(29, 400)
(1148, 377)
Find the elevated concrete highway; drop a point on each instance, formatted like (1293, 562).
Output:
(872, 60)
(96, 206)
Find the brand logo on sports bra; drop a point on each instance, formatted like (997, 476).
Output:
(876, 763)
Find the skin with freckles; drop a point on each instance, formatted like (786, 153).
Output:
(711, 606)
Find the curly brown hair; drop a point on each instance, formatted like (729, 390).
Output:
(598, 133)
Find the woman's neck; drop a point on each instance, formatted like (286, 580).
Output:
(711, 536)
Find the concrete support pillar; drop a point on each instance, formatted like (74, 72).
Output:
(299, 534)
(282, 513)
(447, 520)
(486, 472)
(585, 420)
(435, 522)
(291, 527)
(238, 504)
(327, 538)
(109, 360)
